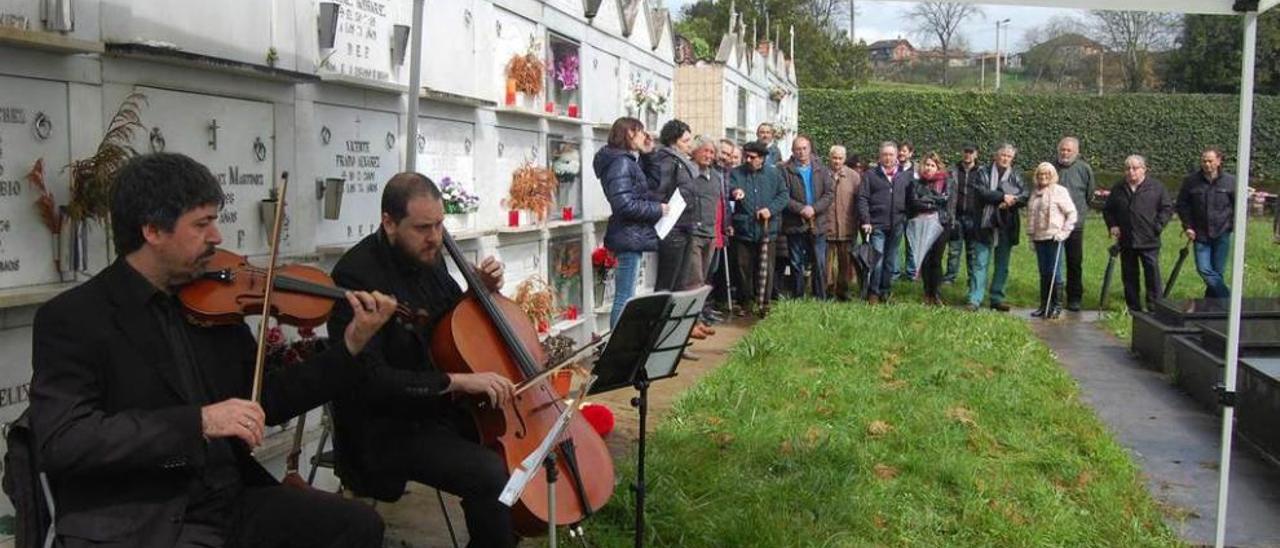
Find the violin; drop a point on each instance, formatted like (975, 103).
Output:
(231, 289)
(489, 333)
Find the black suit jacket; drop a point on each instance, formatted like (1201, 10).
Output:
(119, 438)
(403, 388)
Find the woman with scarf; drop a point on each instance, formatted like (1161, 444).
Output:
(931, 195)
(1051, 216)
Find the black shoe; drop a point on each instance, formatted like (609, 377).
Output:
(1055, 312)
(972, 307)
(1038, 313)
(1001, 307)
(1073, 306)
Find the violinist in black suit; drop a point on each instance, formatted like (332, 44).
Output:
(141, 418)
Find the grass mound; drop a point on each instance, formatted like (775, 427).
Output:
(847, 425)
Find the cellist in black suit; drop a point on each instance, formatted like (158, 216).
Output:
(141, 419)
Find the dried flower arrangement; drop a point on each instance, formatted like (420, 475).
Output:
(527, 69)
(533, 188)
(92, 177)
(50, 215)
(537, 300)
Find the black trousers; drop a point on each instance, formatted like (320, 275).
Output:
(673, 260)
(931, 270)
(280, 517)
(443, 454)
(1149, 259)
(1074, 245)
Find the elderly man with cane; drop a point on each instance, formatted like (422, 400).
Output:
(759, 194)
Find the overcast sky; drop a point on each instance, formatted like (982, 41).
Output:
(879, 20)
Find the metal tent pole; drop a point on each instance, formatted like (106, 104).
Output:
(1237, 268)
(415, 89)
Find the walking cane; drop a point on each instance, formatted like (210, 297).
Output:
(1053, 279)
(1112, 252)
(728, 281)
(762, 271)
(1177, 269)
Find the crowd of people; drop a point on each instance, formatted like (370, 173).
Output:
(814, 224)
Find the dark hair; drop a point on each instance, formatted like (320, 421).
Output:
(1214, 149)
(403, 187)
(672, 131)
(757, 148)
(906, 144)
(156, 189)
(852, 161)
(620, 133)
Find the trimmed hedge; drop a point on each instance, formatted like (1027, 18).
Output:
(1169, 130)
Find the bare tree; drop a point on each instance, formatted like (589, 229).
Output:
(940, 21)
(1135, 34)
(828, 14)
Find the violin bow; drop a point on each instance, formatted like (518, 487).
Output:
(260, 363)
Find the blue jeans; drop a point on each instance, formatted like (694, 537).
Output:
(624, 283)
(1048, 256)
(979, 262)
(1211, 262)
(993, 260)
(887, 244)
(798, 246)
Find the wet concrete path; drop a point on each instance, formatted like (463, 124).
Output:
(1173, 440)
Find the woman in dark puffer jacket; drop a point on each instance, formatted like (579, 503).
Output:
(635, 209)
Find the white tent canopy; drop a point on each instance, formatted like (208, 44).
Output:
(1210, 7)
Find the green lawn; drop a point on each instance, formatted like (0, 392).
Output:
(1262, 272)
(886, 426)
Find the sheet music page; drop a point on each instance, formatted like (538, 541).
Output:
(674, 208)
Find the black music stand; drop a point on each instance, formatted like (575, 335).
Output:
(646, 346)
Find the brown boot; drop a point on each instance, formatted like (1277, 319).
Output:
(873, 299)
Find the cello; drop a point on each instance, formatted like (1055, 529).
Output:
(489, 333)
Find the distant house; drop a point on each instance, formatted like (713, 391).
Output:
(952, 58)
(1068, 45)
(885, 52)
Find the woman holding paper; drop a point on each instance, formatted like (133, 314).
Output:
(635, 210)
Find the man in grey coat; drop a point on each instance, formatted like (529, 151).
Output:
(1076, 176)
(811, 191)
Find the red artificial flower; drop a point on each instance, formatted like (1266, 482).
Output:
(275, 336)
(603, 259)
(306, 332)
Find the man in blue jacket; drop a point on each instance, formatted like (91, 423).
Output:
(760, 195)
(882, 206)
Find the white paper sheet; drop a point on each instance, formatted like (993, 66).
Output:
(674, 208)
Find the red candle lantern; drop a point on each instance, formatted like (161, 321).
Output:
(551, 107)
(513, 217)
(567, 213)
(573, 110)
(511, 91)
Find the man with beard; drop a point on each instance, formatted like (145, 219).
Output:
(141, 419)
(403, 422)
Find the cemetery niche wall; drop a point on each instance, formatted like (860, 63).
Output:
(318, 89)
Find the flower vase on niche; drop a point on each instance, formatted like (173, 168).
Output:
(460, 206)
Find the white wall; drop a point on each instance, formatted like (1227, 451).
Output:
(335, 112)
